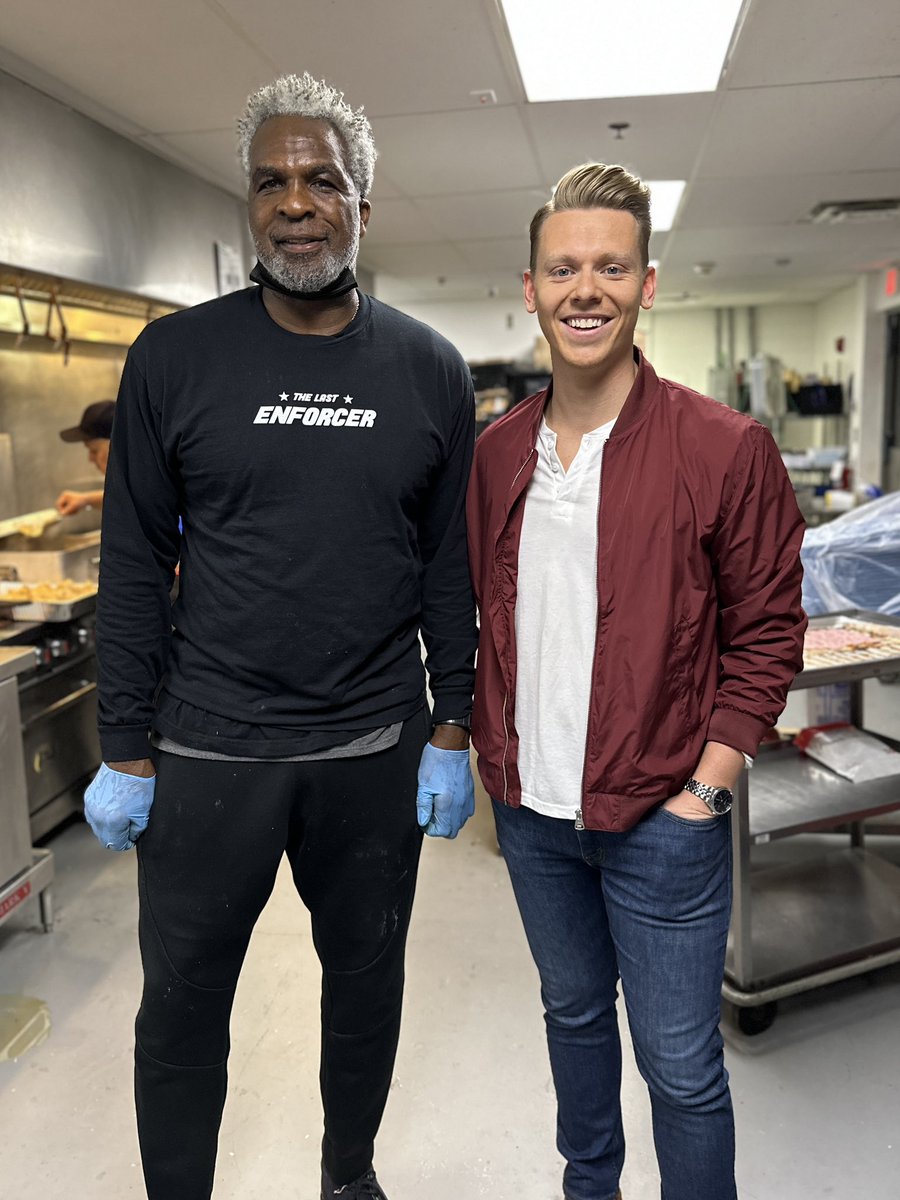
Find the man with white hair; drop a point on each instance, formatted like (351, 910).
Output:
(316, 445)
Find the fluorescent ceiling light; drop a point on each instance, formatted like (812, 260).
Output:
(589, 50)
(665, 196)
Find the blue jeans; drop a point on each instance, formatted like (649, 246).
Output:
(650, 906)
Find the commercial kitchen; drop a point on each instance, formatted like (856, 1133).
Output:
(776, 212)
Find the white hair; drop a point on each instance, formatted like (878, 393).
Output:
(303, 96)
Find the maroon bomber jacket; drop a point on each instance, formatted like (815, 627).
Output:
(699, 622)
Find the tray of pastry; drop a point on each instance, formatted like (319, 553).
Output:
(54, 600)
(851, 640)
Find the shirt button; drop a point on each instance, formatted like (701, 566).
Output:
(554, 468)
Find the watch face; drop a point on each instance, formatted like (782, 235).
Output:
(722, 801)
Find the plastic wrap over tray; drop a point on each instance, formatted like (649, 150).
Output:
(854, 561)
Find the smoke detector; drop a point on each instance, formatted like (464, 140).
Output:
(856, 212)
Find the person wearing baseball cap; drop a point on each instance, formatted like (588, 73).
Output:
(94, 430)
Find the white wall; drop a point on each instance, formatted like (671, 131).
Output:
(867, 410)
(681, 344)
(787, 332)
(838, 317)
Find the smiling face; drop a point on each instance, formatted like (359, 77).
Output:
(588, 287)
(306, 216)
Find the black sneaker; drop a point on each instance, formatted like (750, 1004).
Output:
(364, 1188)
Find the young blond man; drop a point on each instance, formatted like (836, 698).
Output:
(635, 556)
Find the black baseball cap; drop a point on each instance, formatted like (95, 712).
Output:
(96, 422)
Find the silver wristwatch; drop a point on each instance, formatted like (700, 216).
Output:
(717, 799)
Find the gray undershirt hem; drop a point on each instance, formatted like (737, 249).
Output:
(369, 743)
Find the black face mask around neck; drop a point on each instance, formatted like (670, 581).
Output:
(345, 282)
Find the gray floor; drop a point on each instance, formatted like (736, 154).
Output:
(471, 1112)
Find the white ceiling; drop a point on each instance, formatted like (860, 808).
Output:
(808, 111)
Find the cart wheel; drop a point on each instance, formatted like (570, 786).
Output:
(752, 1021)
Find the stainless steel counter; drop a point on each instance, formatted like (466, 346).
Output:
(14, 660)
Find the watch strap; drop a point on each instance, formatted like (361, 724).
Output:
(462, 722)
(709, 793)
(704, 791)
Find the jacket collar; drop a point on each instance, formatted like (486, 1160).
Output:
(644, 392)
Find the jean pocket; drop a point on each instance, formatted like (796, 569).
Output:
(701, 822)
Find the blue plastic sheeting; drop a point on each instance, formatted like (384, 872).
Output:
(854, 561)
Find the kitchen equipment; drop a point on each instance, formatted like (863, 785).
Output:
(800, 925)
(45, 610)
(23, 871)
(58, 708)
(72, 556)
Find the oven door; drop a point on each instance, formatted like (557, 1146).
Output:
(59, 736)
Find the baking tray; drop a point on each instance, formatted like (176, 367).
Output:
(822, 667)
(30, 525)
(48, 610)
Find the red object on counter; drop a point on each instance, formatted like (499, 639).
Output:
(805, 736)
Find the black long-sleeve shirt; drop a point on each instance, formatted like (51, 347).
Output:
(321, 482)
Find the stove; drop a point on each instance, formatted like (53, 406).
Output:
(58, 708)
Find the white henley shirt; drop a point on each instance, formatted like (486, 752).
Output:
(556, 622)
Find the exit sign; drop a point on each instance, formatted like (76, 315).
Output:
(892, 281)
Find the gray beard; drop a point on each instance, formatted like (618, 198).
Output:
(300, 277)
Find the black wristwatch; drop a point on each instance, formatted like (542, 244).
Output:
(463, 723)
(717, 799)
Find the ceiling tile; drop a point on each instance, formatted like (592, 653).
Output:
(420, 259)
(806, 41)
(808, 128)
(215, 151)
(778, 240)
(473, 151)
(400, 221)
(486, 214)
(664, 137)
(396, 290)
(496, 254)
(778, 199)
(811, 251)
(173, 65)
(401, 56)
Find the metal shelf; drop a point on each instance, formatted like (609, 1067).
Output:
(791, 793)
(802, 925)
(830, 912)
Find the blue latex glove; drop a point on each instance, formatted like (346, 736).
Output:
(446, 796)
(117, 807)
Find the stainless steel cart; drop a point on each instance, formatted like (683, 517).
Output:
(798, 926)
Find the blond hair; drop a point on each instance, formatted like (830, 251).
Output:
(596, 185)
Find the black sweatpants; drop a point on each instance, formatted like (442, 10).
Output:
(206, 867)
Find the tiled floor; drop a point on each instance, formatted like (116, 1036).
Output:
(471, 1113)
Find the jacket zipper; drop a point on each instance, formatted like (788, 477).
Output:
(579, 818)
(506, 696)
(505, 749)
(524, 465)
